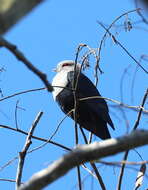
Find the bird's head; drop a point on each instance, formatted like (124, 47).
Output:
(67, 65)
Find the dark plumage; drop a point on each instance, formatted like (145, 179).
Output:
(92, 114)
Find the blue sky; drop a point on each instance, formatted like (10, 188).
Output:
(49, 34)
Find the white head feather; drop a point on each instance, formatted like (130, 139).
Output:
(60, 79)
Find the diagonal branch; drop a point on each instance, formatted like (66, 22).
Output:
(19, 55)
(98, 176)
(82, 154)
(105, 34)
(11, 11)
(35, 137)
(118, 43)
(23, 153)
(127, 152)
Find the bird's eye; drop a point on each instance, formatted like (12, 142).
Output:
(67, 64)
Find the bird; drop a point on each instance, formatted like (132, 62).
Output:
(91, 113)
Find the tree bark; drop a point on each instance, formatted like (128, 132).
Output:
(11, 11)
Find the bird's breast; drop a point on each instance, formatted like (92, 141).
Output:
(58, 83)
(65, 100)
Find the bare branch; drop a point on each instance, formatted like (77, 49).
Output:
(19, 93)
(16, 107)
(19, 55)
(85, 153)
(74, 86)
(127, 52)
(135, 108)
(27, 91)
(35, 137)
(23, 153)
(54, 133)
(8, 180)
(104, 36)
(99, 178)
(123, 161)
(126, 153)
(140, 112)
(12, 11)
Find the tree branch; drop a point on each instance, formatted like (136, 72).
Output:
(12, 11)
(23, 153)
(127, 152)
(85, 153)
(19, 55)
(35, 137)
(118, 43)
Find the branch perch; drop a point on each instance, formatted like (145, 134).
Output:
(82, 154)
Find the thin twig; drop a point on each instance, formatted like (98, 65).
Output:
(19, 55)
(34, 149)
(8, 163)
(143, 57)
(79, 178)
(140, 14)
(118, 43)
(8, 180)
(23, 153)
(100, 180)
(125, 72)
(54, 133)
(35, 137)
(16, 108)
(140, 112)
(57, 128)
(127, 152)
(19, 93)
(123, 161)
(135, 108)
(38, 138)
(74, 86)
(104, 36)
(31, 90)
(133, 83)
(1, 93)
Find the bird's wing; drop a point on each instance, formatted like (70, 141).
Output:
(85, 88)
